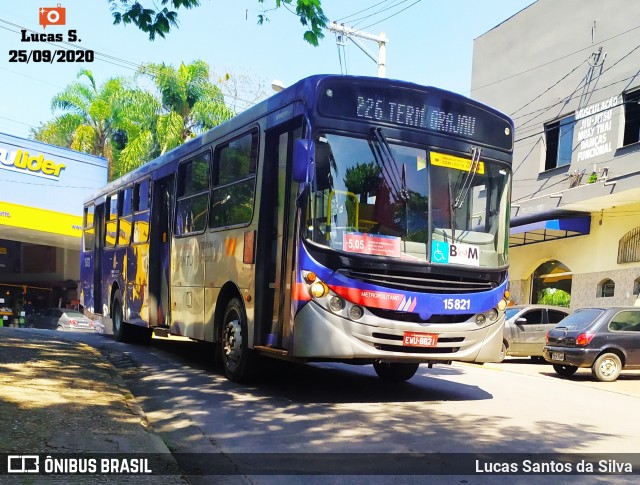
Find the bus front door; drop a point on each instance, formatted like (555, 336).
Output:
(97, 260)
(275, 240)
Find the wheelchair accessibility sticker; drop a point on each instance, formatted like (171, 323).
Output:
(445, 253)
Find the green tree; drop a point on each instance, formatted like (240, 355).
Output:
(114, 121)
(190, 103)
(155, 18)
(129, 125)
(554, 296)
(362, 178)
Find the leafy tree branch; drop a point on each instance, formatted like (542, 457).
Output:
(158, 17)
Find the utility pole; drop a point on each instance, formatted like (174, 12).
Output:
(353, 34)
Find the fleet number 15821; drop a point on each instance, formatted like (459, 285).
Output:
(457, 304)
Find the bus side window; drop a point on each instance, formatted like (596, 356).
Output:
(141, 192)
(193, 195)
(124, 232)
(112, 222)
(89, 230)
(233, 193)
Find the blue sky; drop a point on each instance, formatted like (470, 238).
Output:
(430, 42)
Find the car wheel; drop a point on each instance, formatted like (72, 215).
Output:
(607, 367)
(238, 360)
(60, 328)
(564, 369)
(503, 352)
(394, 371)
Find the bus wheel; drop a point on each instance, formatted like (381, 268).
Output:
(394, 371)
(121, 331)
(237, 359)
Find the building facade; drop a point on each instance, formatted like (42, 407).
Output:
(568, 73)
(42, 190)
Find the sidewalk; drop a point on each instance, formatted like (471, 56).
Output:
(59, 396)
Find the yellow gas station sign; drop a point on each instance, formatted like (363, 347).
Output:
(24, 217)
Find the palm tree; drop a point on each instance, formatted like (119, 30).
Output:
(191, 103)
(114, 121)
(128, 125)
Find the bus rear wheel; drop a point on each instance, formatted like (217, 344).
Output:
(121, 330)
(395, 371)
(238, 360)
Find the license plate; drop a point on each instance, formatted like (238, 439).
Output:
(557, 356)
(415, 339)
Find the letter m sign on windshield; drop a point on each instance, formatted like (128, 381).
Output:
(446, 253)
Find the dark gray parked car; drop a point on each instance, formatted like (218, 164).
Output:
(525, 329)
(61, 319)
(605, 339)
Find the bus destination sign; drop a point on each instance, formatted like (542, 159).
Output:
(432, 110)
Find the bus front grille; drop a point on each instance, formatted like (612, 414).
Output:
(415, 318)
(427, 283)
(417, 350)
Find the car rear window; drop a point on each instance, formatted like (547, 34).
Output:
(74, 314)
(580, 319)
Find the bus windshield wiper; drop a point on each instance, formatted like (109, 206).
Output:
(452, 211)
(463, 191)
(383, 157)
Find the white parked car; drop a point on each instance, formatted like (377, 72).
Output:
(525, 329)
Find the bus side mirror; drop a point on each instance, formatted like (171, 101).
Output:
(303, 166)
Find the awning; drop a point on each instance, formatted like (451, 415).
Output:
(549, 230)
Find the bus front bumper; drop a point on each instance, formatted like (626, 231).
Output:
(321, 334)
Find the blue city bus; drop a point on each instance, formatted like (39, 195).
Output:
(346, 219)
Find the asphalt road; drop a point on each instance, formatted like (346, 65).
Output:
(513, 407)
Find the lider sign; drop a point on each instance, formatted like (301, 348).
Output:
(33, 164)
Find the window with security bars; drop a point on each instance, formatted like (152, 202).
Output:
(629, 247)
(606, 289)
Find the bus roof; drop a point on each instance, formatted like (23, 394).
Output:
(303, 91)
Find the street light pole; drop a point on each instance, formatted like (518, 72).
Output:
(380, 39)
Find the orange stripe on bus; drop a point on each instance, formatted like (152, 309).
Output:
(299, 292)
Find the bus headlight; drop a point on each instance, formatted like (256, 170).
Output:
(336, 304)
(502, 305)
(319, 289)
(492, 315)
(481, 319)
(356, 312)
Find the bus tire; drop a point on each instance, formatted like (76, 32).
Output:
(121, 330)
(395, 371)
(238, 360)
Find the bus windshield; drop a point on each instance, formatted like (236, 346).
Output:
(371, 196)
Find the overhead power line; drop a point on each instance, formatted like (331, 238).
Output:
(589, 47)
